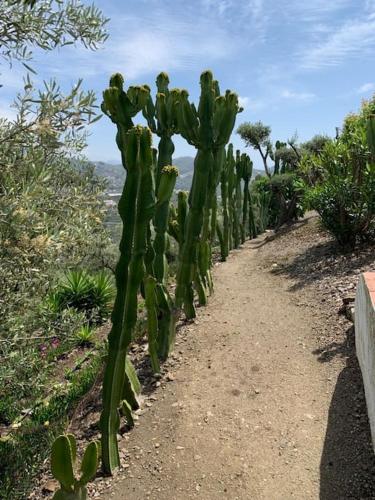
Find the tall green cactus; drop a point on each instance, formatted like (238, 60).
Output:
(246, 172)
(207, 128)
(238, 202)
(63, 458)
(234, 231)
(166, 326)
(225, 202)
(136, 208)
(162, 120)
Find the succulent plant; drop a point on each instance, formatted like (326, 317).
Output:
(208, 128)
(63, 461)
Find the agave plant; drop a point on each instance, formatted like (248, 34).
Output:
(85, 335)
(79, 290)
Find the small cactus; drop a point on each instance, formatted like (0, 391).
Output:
(63, 459)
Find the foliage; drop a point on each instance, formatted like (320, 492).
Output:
(92, 295)
(28, 444)
(47, 25)
(344, 194)
(85, 335)
(257, 135)
(316, 144)
(286, 192)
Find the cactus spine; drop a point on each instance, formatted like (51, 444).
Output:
(63, 458)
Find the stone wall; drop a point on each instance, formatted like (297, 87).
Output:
(365, 340)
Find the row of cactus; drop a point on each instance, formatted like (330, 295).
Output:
(149, 219)
(243, 215)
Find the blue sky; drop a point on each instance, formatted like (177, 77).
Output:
(296, 65)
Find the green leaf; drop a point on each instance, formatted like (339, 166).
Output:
(29, 68)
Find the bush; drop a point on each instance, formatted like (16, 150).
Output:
(286, 193)
(92, 295)
(344, 195)
(347, 210)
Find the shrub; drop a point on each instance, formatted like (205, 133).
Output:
(286, 193)
(85, 335)
(344, 195)
(347, 209)
(79, 290)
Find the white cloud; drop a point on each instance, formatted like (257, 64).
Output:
(297, 96)
(243, 101)
(366, 87)
(315, 9)
(349, 40)
(161, 42)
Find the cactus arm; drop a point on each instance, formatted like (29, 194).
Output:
(152, 322)
(126, 411)
(62, 463)
(224, 202)
(90, 462)
(194, 222)
(114, 376)
(182, 211)
(220, 236)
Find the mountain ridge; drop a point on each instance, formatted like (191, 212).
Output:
(115, 174)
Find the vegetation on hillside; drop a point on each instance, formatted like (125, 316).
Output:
(57, 263)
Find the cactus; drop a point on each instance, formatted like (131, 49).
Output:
(238, 202)
(165, 125)
(223, 234)
(162, 120)
(63, 458)
(234, 238)
(152, 322)
(246, 172)
(136, 207)
(166, 324)
(208, 128)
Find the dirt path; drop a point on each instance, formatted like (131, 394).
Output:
(244, 415)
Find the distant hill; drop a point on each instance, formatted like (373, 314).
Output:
(115, 174)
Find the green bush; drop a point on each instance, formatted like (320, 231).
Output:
(285, 192)
(347, 209)
(92, 295)
(344, 195)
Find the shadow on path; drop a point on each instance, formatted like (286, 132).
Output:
(347, 468)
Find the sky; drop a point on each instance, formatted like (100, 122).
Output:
(298, 66)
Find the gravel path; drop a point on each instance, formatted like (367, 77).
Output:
(244, 413)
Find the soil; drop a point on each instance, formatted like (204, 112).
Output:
(263, 397)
